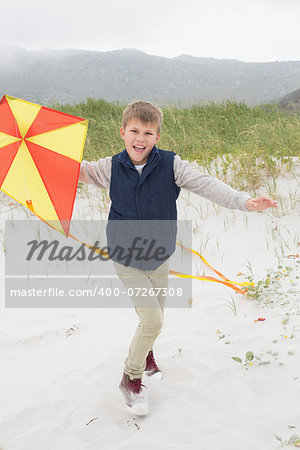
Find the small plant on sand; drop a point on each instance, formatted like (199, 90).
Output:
(232, 305)
(223, 337)
(267, 357)
(276, 284)
(247, 361)
(294, 439)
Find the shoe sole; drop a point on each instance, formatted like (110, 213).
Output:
(139, 409)
(155, 376)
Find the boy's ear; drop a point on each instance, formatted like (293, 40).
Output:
(157, 138)
(122, 132)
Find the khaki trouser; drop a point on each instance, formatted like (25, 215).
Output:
(149, 308)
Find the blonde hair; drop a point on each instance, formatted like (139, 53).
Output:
(145, 112)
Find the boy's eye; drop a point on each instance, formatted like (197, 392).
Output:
(147, 132)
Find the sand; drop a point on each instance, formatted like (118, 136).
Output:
(60, 368)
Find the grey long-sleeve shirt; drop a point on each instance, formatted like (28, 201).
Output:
(186, 177)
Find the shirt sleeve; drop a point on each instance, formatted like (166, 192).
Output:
(211, 188)
(96, 172)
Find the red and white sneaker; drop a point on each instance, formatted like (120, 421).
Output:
(152, 369)
(134, 395)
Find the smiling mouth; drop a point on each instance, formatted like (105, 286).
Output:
(139, 148)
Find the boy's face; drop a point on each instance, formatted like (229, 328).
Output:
(140, 139)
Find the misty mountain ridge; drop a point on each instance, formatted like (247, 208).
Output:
(291, 101)
(70, 76)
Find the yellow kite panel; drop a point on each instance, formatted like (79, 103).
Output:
(24, 183)
(68, 141)
(24, 112)
(6, 139)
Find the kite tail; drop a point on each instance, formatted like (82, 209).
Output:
(232, 284)
(224, 280)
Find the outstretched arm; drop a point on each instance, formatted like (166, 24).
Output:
(190, 178)
(215, 190)
(260, 203)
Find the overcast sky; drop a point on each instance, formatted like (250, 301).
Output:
(249, 30)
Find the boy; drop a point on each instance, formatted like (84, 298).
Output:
(144, 184)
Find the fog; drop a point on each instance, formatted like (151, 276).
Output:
(248, 30)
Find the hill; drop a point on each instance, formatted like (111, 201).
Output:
(68, 76)
(290, 101)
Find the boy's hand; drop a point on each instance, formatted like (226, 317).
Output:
(260, 203)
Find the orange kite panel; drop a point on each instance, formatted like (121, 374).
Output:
(48, 119)
(59, 174)
(7, 155)
(8, 123)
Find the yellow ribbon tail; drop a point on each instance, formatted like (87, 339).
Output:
(226, 281)
(232, 286)
(30, 205)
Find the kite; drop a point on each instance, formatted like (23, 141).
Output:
(40, 154)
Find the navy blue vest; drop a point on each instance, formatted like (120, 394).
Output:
(138, 200)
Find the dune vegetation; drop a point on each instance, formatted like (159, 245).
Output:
(237, 143)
